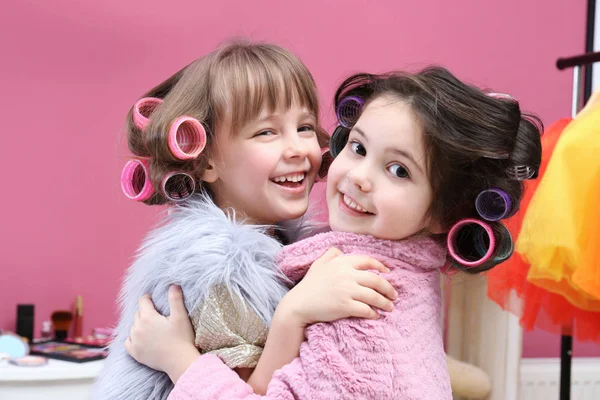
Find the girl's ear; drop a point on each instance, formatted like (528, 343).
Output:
(210, 174)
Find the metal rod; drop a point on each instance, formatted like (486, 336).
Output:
(576, 88)
(566, 347)
(589, 46)
(583, 59)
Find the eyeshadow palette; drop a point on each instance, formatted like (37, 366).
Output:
(68, 351)
(90, 341)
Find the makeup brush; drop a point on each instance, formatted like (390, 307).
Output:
(78, 328)
(61, 320)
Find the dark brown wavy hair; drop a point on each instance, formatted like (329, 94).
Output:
(471, 138)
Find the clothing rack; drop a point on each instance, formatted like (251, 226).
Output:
(577, 61)
(566, 342)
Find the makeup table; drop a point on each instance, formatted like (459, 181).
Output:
(55, 380)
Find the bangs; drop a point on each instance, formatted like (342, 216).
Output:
(259, 79)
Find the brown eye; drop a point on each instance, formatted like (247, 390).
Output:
(306, 128)
(266, 132)
(358, 148)
(399, 171)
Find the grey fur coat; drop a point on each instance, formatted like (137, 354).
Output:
(198, 247)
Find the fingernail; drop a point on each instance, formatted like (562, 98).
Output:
(174, 288)
(390, 307)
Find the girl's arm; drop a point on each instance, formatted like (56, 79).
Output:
(179, 352)
(335, 287)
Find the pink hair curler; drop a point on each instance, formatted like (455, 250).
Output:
(501, 96)
(493, 204)
(348, 109)
(187, 138)
(178, 186)
(466, 242)
(135, 180)
(143, 109)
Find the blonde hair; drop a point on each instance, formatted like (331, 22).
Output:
(232, 84)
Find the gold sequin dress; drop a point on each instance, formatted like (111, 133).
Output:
(228, 327)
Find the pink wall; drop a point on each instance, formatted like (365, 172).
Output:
(70, 70)
(543, 344)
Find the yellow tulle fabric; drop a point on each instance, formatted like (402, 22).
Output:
(560, 235)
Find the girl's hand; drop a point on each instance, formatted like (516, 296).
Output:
(339, 286)
(163, 343)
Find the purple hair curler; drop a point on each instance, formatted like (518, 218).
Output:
(493, 204)
(143, 109)
(187, 138)
(471, 242)
(348, 109)
(178, 186)
(135, 180)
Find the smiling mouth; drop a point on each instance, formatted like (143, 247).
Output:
(349, 202)
(291, 180)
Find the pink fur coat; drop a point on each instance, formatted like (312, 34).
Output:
(400, 356)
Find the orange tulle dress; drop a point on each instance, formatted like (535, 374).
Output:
(549, 299)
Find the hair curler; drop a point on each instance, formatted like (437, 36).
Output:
(493, 204)
(135, 180)
(471, 242)
(142, 110)
(178, 186)
(348, 109)
(187, 138)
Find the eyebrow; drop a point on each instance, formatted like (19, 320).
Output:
(268, 118)
(273, 116)
(308, 114)
(402, 153)
(360, 132)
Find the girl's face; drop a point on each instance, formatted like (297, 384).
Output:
(378, 185)
(266, 170)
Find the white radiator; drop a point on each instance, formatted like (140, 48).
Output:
(540, 379)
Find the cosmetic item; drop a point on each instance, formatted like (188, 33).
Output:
(61, 320)
(103, 332)
(68, 352)
(29, 361)
(4, 359)
(25, 314)
(13, 345)
(78, 321)
(90, 341)
(47, 330)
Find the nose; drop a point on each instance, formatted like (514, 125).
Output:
(295, 147)
(359, 176)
